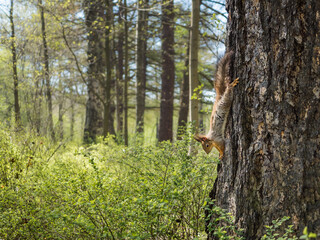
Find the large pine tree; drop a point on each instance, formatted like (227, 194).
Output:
(271, 166)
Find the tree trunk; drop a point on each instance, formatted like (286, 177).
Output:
(108, 53)
(271, 166)
(126, 72)
(94, 12)
(141, 63)
(46, 72)
(112, 130)
(193, 67)
(167, 76)
(37, 100)
(15, 72)
(72, 116)
(119, 82)
(193, 70)
(184, 97)
(61, 120)
(60, 132)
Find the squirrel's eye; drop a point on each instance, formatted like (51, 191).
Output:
(207, 145)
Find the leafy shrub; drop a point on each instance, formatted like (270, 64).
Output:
(11, 163)
(272, 234)
(111, 192)
(221, 226)
(221, 223)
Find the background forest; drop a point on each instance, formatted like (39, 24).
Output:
(73, 72)
(70, 67)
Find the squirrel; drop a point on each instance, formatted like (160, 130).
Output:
(221, 108)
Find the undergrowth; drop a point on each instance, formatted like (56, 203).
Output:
(108, 191)
(104, 191)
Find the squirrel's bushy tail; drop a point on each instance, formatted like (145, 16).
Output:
(222, 79)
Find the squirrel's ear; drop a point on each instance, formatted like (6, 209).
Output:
(200, 138)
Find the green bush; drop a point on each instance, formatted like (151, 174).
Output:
(221, 223)
(107, 191)
(11, 162)
(272, 231)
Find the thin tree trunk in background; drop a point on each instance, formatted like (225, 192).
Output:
(46, 72)
(112, 114)
(126, 68)
(28, 96)
(193, 61)
(141, 63)
(184, 97)
(193, 69)
(15, 72)
(60, 111)
(107, 87)
(112, 111)
(119, 82)
(271, 167)
(72, 115)
(94, 12)
(61, 120)
(28, 102)
(37, 96)
(37, 105)
(167, 76)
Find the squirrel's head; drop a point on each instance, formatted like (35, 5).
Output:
(206, 143)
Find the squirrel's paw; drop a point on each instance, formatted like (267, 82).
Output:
(234, 83)
(221, 154)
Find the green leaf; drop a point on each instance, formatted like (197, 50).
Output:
(305, 231)
(312, 235)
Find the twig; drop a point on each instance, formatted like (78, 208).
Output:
(54, 152)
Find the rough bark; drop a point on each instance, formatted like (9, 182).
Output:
(167, 76)
(141, 63)
(184, 97)
(14, 70)
(46, 71)
(271, 167)
(94, 12)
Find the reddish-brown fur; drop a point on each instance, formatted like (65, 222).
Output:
(223, 89)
